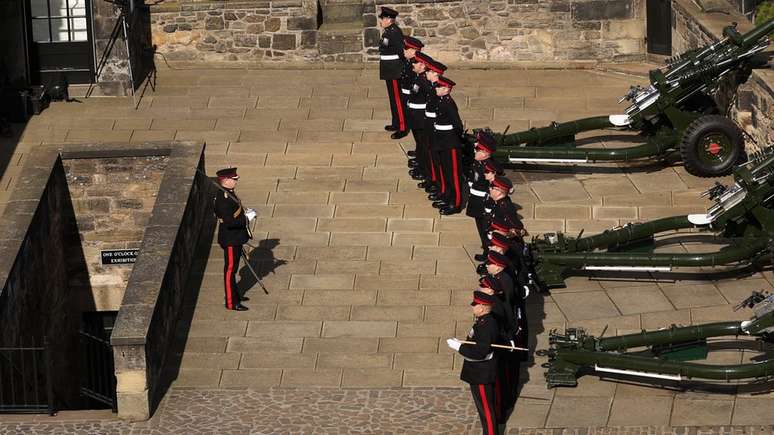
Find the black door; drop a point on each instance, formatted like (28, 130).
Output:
(659, 27)
(98, 379)
(61, 46)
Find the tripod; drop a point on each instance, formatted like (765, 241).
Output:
(121, 28)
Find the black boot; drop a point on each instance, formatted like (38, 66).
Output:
(399, 134)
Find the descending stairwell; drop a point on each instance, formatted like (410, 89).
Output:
(340, 37)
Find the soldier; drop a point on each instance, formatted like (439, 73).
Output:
(420, 89)
(412, 46)
(391, 58)
(447, 138)
(500, 203)
(434, 69)
(233, 232)
(480, 366)
(482, 172)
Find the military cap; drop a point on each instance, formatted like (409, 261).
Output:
(490, 165)
(446, 82)
(491, 282)
(481, 298)
(388, 13)
(485, 142)
(502, 183)
(498, 259)
(411, 42)
(504, 225)
(228, 173)
(501, 241)
(433, 65)
(422, 57)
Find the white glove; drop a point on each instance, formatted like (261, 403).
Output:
(250, 213)
(453, 343)
(526, 291)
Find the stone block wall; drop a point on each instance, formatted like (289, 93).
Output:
(246, 31)
(112, 198)
(455, 31)
(36, 301)
(146, 322)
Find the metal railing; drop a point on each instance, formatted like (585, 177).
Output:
(25, 379)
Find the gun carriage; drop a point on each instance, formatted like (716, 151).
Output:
(741, 214)
(665, 354)
(676, 112)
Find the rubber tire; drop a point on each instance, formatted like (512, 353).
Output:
(701, 127)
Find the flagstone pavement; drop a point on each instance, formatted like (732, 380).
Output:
(366, 280)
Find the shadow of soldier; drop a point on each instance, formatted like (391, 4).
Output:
(262, 261)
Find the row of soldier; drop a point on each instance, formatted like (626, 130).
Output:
(420, 101)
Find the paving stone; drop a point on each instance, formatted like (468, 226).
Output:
(260, 344)
(664, 319)
(353, 361)
(639, 300)
(431, 378)
(409, 225)
(311, 378)
(371, 378)
(355, 210)
(359, 329)
(217, 328)
(408, 345)
(331, 253)
(579, 411)
(275, 360)
(205, 344)
(307, 312)
(751, 411)
(347, 266)
(339, 297)
(197, 360)
(389, 253)
(692, 412)
(586, 305)
(251, 378)
(341, 345)
(359, 198)
(206, 378)
(397, 297)
(690, 296)
(423, 361)
(285, 329)
(444, 328)
(415, 239)
(384, 281)
(385, 312)
(351, 225)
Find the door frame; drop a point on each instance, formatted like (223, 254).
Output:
(33, 69)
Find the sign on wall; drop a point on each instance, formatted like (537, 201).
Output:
(119, 256)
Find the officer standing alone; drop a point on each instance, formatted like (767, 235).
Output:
(233, 233)
(391, 62)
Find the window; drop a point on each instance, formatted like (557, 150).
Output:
(59, 20)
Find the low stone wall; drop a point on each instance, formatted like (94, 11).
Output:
(455, 31)
(36, 301)
(146, 322)
(752, 104)
(246, 31)
(112, 198)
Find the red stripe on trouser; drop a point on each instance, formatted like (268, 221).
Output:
(487, 413)
(456, 179)
(498, 399)
(432, 166)
(399, 105)
(440, 173)
(229, 300)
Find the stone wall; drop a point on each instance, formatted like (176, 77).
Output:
(154, 295)
(455, 31)
(36, 301)
(112, 198)
(246, 30)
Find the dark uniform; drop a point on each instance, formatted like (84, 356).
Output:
(431, 114)
(391, 64)
(233, 232)
(448, 141)
(479, 193)
(420, 89)
(480, 366)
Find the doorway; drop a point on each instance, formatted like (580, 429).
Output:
(61, 45)
(659, 27)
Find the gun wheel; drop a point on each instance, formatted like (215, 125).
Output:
(711, 146)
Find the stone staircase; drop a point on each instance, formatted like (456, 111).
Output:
(340, 37)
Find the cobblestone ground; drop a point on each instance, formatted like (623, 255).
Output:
(367, 280)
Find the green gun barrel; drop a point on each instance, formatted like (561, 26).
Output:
(632, 232)
(537, 136)
(652, 365)
(741, 251)
(668, 336)
(760, 31)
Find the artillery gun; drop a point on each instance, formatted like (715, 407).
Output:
(741, 214)
(676, 112)
(664, 354)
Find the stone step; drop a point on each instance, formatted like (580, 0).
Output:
(340, 38)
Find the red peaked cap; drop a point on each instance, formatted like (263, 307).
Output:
(491, 283)
(502, 183)
(501, 241)
(481, 298)
(431, 63)
(445, 82)
(497, 259)
(504, 225)
(227, 173)
(492, 166)
(485, 142)
(411, 42)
